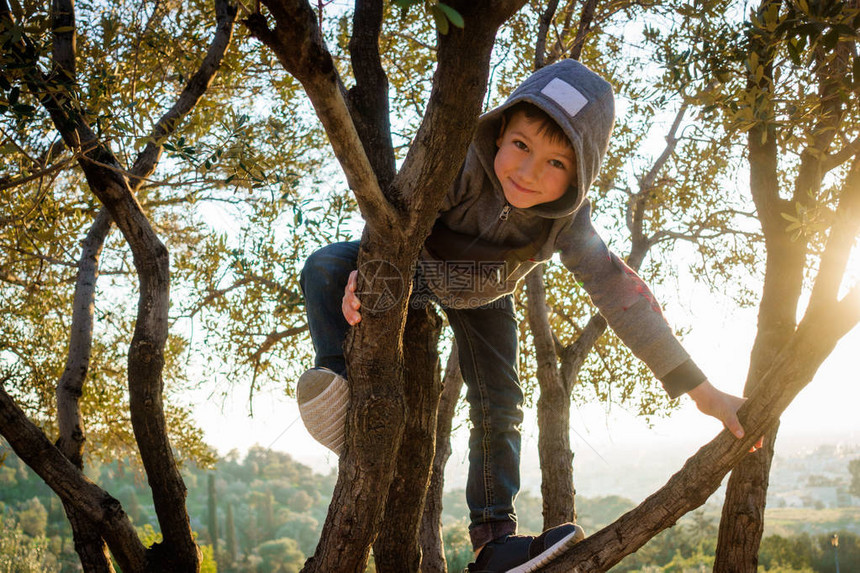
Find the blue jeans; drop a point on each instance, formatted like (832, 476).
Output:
(487, 340)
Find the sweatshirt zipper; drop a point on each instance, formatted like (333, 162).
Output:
(503, 216)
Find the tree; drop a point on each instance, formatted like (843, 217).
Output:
(232, 541)
(97, 519)
(33, 518)
(803, 181)
(854, 470)
(399, 210)
(212, 499)
(371, 178)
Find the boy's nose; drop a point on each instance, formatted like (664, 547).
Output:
(529, 170)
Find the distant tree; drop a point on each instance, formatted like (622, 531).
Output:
(21, 553)
(281, 555)
(212, 504)
(33, 518)
(854, 471)
(230, 534)
(794, 552)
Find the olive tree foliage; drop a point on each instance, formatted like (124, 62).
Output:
(228, 181)
(91, 100)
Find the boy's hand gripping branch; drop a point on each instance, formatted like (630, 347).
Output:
(722, 406)
(351, 304)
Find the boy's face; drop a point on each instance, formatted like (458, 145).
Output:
(532, 168)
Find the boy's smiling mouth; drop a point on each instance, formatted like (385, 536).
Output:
(519, 187)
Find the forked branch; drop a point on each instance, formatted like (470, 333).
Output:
(297, 42)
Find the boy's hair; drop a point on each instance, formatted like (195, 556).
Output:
(548, 127)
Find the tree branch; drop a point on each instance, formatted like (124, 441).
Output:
(639, 201)
(32, 177)
(69, 483)
(146, 161)
(574, 354)
(585, 21)
(69, 389)
(368, 99)
(833, 161)
(298, 44)
(843, 233)
(64, 44)
(702, 474)
(543, 29)
(459, 85)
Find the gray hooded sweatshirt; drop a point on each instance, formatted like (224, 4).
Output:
(481, 246)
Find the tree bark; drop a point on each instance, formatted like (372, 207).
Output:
(432, 546)
(70, 386)
(89, 545)
(556, 457)
(368, 99)
(397, 548)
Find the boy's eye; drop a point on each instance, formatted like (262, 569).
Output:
(557, 164)
(520, 145)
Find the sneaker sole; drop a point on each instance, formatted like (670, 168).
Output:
(324, 415)
(550, 553)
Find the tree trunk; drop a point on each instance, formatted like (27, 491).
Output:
(430, 536)
(397, 548)
(556, 457)
(398, 217)
(89, 545)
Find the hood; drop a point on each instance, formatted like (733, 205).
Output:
(581, 103)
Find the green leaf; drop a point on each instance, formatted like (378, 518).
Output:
(793, 52)
(441, 20)
(453, 16)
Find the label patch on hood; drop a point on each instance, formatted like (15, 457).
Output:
(565, 95)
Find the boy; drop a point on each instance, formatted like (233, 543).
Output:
(519, 198)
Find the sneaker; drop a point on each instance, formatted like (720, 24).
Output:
(323, 398)
(549, 544)
(501, 554)
(524, 553)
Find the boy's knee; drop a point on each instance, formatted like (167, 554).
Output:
(312, 270)
(328, 265)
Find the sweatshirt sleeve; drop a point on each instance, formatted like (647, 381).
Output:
(627, 304)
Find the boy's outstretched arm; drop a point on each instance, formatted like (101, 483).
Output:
(350, 303)
(722, 406)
